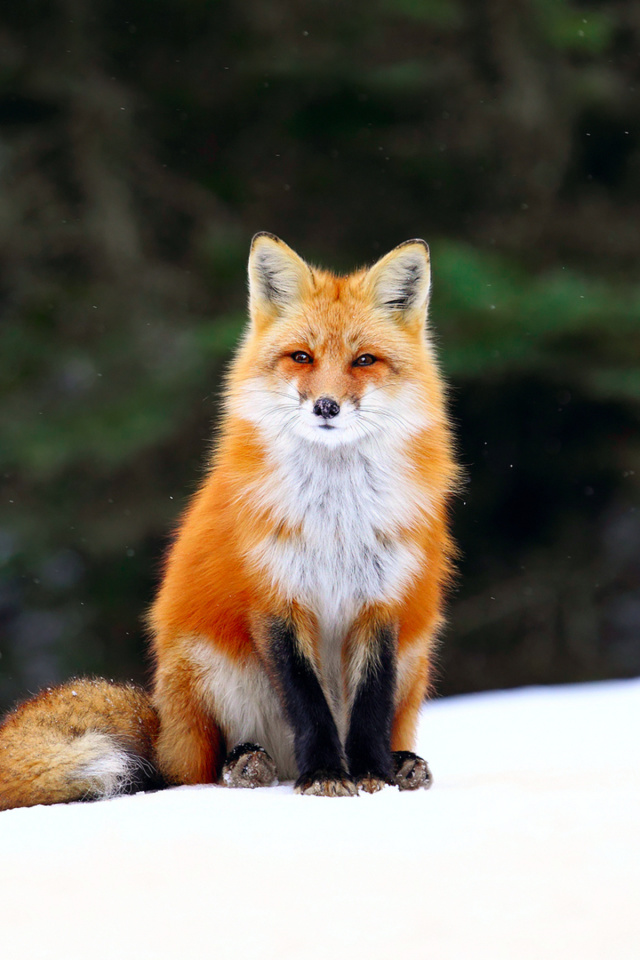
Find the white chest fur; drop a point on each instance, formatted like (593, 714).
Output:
(348, 506)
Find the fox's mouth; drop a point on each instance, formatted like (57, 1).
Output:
(326, 426)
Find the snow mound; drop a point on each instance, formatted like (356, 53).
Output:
(527, 846)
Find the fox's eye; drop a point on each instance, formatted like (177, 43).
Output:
(301, 357)
(365, 360)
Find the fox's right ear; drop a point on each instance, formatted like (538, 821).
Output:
(278, 278)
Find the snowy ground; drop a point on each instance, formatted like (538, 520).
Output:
(527, 846)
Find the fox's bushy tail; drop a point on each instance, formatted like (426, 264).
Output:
(85, 740)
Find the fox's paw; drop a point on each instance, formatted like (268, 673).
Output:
(410, 771)
(249, 765)
(371, 782)
(326, 783)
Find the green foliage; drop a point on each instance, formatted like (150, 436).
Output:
(581, 29)
(497, 319)
(143, 145)
(446, 13)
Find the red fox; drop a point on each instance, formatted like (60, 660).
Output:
(294, 630)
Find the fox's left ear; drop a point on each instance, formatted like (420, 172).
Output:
(399, 283)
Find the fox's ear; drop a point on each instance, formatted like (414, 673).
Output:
(399, 283)
(278, 278)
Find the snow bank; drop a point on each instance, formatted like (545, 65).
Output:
(527, 846)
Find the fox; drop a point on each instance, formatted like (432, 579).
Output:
(297, 621)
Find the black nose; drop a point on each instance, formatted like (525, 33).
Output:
(326, 407)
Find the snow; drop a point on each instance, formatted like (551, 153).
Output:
(527, 846)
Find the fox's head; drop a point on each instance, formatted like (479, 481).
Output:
(335, 360)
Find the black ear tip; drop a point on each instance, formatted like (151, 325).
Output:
(412, 243)
(264, 233)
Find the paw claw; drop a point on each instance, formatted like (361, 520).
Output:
(370, 783)
(326, 784)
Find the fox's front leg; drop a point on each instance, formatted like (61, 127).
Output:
(370, 655)
(288, 649)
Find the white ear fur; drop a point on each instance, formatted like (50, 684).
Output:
(400, 282)
(277, 276)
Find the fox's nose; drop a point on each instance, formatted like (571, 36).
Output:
(326, 407)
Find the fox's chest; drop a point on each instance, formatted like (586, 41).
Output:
(344, 516)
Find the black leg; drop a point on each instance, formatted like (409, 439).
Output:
(369, 739)
(319, 755)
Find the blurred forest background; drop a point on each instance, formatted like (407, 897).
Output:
(141, 146)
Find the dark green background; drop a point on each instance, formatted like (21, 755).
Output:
(141, 146)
